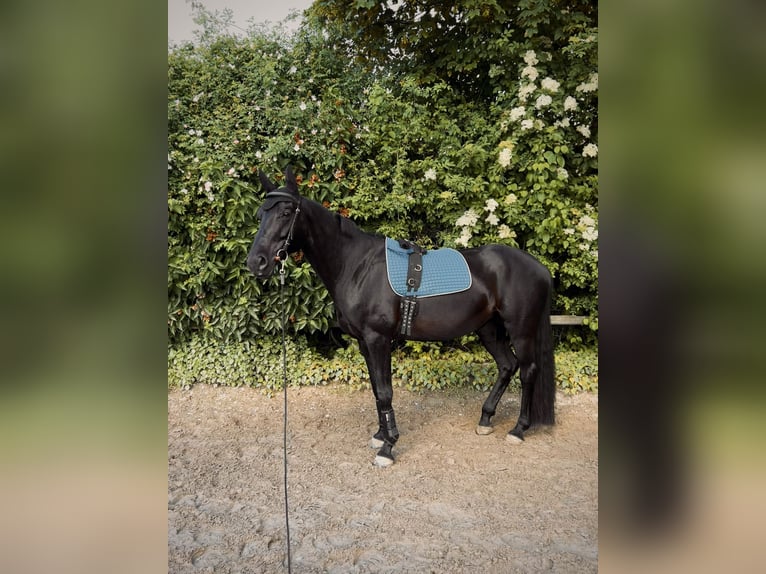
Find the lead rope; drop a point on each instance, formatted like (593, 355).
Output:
(284, 385)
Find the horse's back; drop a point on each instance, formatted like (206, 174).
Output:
(506, 264)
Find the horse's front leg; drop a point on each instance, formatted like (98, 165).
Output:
(377, 353)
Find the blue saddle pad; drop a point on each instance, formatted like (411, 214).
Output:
(445, 271)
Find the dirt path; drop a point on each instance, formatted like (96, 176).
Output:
(453, 502)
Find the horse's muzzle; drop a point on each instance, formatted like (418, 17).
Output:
(259, 265)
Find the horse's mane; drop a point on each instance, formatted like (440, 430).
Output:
(347, 227)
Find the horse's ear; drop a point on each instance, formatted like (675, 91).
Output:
(266, 182)
(292, 184)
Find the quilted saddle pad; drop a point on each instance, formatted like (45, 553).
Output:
(445, 271)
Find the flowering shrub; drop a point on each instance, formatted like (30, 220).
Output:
(494, 142)
(201, 360)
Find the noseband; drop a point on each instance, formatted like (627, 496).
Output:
(281, 254)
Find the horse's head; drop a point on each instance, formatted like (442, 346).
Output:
(278, 214)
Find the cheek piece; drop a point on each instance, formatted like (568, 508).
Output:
(281, 254)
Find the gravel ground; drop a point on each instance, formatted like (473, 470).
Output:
(453, 501)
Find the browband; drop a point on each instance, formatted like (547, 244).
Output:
(289, 196)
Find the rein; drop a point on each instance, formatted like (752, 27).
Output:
(284, 380)
(281, 257)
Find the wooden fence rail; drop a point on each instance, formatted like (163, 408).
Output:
(567, 319)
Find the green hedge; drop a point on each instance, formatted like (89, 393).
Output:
(416, 366)
(496, 143)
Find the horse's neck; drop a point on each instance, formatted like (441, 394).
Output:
(332, 246)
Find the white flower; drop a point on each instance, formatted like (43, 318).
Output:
(303, 106)
(210, 197)
(590, 234)
(517, 113)
(192, 132)
(208, 185)
(543, 100)
(550, 84)
(525, 90)
(504, 232)
(570, 104)
(184, 191)
(491, 205)
(468, 219)
(492, 219)
(292, 70)
(569, 231)
(527, 124)
(562, 123)
(590, 86)
(590, 150)
(430, 174)
(296, 147)
(530, 57)
(587, 227)
(510, 198)
(197, 96)
(258, 154)
(465, 237)
(530, 72)
(504, 159)
(584, 130)
(562, 173)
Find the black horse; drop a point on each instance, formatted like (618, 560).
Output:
(507, 304)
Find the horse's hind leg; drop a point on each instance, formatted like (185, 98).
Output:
(527, 372)
(495, 339)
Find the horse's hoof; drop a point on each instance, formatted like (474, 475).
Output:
(513, 439)
(483, 431)
(382, 461)
(376, 443)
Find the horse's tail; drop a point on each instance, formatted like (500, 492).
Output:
(544, 391)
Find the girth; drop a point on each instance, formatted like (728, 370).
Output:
(415, 265)
(408, 305)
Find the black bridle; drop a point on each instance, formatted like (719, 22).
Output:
(282, 252)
